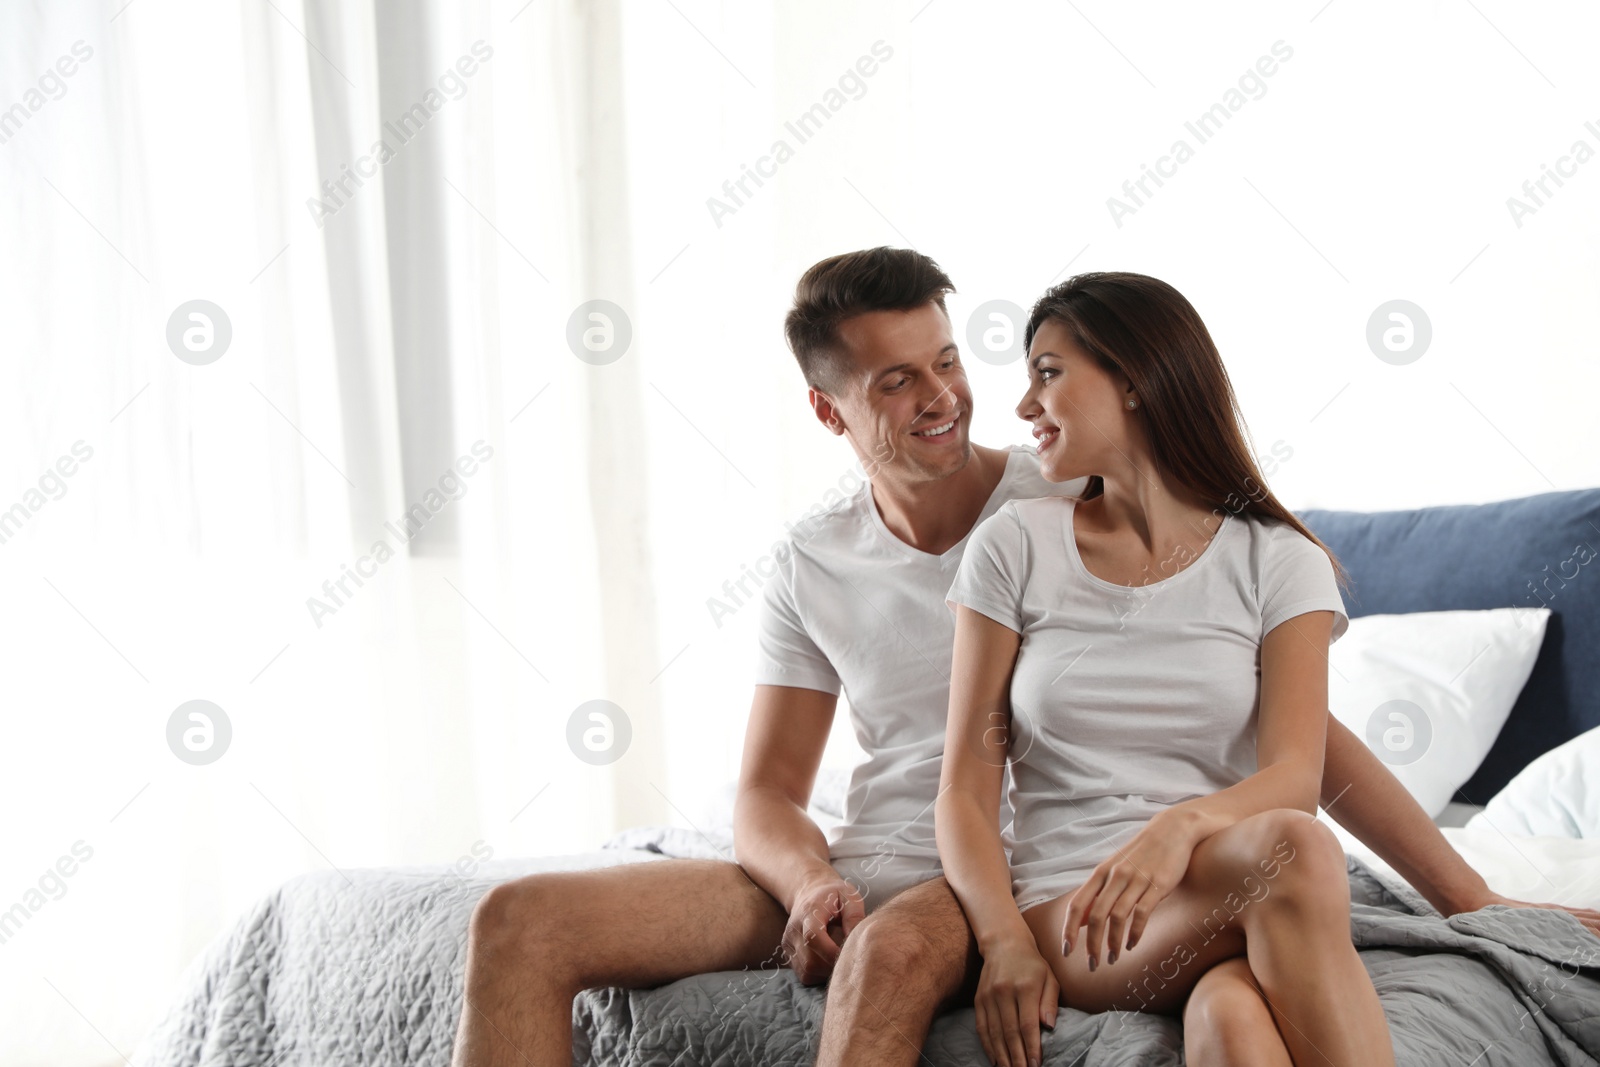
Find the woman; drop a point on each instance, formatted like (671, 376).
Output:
(1151, 658)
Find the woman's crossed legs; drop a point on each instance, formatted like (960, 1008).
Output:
(1253, 945)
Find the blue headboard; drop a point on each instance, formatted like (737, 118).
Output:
(1538, 550)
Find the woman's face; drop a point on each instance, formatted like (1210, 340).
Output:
(1078, 410)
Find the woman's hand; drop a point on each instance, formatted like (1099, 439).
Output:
(1122, 892)
(1017, 991)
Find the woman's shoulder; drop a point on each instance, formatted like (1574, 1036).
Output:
(1021, 521)
(1271, 539)
(1260, 526)
(1036, 518)
(1040, 508)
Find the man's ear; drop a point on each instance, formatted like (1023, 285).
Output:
(826, 410)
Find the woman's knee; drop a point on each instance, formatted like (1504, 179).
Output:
(1281, 861)
(1226, 1018)
(1297, 864)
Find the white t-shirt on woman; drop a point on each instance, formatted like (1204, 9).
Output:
(1126, 699)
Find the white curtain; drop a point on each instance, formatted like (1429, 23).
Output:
(397, 319)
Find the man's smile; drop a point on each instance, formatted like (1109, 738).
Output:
(945, 431)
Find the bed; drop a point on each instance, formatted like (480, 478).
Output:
(369, 970)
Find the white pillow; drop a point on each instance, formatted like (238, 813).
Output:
(1429, 691)
(1557, 795)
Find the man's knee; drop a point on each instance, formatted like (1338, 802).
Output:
(513, 917)
(881, 956)
(581, 929)
(893, 947)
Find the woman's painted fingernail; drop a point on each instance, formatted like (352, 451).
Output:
(1093, 963)
(1112, 958)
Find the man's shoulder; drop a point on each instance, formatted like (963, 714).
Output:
(833, 524)
(1024, 481)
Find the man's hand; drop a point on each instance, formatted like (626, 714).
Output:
(825, 911)
(1587, 916)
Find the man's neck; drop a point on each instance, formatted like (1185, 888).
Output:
(933, 516)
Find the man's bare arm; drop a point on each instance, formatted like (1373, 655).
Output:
(778, 844)
(1369, 801)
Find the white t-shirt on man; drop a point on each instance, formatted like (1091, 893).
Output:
(853, 606)
(1125, 699)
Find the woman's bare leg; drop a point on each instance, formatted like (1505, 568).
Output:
(1227, 1023)
(1273, 888)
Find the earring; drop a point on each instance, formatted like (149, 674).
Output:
(1133, 404)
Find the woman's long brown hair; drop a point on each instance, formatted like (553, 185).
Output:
(1144, 328)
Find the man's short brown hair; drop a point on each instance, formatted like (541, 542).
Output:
(841, 287)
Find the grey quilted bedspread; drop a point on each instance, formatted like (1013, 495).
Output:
(365, 967)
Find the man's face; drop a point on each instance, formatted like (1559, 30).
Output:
(903, 400)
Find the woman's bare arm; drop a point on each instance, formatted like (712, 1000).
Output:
(967, 811)
(1017, 990)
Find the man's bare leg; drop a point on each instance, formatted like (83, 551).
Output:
(909, 959)
(536, 942)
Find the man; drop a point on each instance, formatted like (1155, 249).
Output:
(858, 604)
